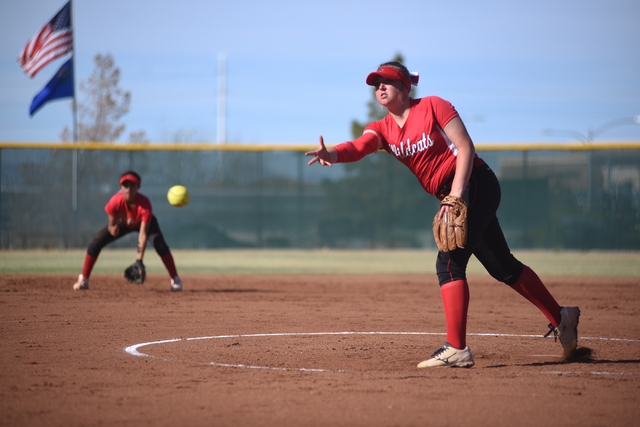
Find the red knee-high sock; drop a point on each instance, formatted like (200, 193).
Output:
(455, 296)
(531, 287)
(167, 259)
(89, 261)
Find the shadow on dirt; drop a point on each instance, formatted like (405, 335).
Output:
(583, 355)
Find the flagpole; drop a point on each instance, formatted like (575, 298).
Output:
(73, 67)
(74, 172)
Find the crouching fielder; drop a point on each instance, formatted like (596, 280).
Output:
(130, 211)
(428, 136)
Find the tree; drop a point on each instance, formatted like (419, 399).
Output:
(103, 106)
(184, 135)
(139, 137)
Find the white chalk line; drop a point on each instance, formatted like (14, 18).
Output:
(133, 349)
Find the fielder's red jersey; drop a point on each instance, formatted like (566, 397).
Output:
(421, 143)
(118, 208)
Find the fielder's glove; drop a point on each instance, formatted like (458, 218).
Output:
(450, 232)
(135, 273)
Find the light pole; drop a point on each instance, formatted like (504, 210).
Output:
(592, 133)
(635, 120)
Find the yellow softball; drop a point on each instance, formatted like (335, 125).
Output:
(178, 195)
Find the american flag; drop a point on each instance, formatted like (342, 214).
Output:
(51, 42)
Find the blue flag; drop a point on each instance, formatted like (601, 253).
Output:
(60, 86)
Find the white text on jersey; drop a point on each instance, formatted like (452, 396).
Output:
(410, 149)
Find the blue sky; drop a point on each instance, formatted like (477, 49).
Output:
(296, 69)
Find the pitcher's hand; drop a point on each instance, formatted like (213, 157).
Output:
(321, 155)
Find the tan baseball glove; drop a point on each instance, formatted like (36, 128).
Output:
(450, 232)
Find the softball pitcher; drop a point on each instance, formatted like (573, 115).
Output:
(130, 211)
(428, 136)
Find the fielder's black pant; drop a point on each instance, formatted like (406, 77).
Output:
(103, 238)
(485, 239)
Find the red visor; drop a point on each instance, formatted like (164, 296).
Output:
(392, 73)
(130, 177)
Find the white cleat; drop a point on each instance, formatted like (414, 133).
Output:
(82, 283)
(176, 284)
(449, 356)
(567, 330)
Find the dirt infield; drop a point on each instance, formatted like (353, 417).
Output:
(308, 350)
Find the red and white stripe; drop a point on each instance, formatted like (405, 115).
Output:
(44, 47)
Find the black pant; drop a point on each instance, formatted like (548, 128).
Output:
(103, 238)
(485, 239)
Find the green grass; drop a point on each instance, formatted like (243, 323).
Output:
(113, 261)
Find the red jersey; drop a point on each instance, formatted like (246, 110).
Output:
(421, 143)
(118, 208)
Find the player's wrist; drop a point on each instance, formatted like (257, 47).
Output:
(333, 155)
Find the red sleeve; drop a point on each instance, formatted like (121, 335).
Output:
(113, 206)
(352, 151)
(443, 110)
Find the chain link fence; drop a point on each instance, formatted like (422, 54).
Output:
(553, 196)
